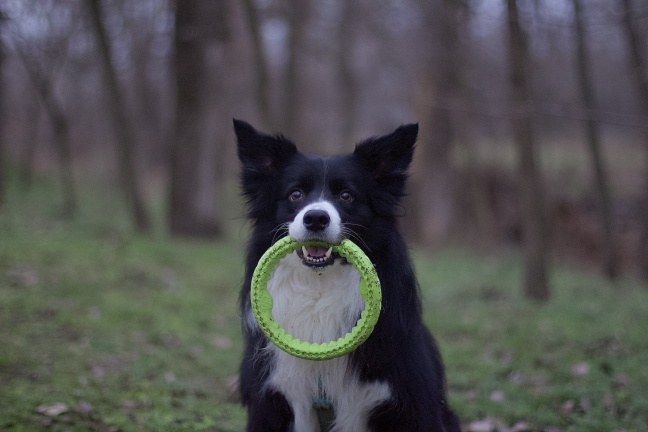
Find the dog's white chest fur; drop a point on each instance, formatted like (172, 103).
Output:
(320, 306)
(315, 305)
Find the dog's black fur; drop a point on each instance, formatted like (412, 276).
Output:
(400, 351)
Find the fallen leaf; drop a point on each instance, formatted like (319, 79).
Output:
(489, 424)
(580, 369)
(567, 407)
(170, 279)
(53, 410)
(131, 404)
(621, 380)
(169, 377)
(497, 396)
(520, 427)
(43, 421)
(84, 407)
(222, 342)
(515, 377)
(23, 277)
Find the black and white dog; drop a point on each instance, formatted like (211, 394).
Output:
(394, 381)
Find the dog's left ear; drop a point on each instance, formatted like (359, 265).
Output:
(387, 158)
(261, 153)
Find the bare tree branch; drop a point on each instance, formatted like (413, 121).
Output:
(122, 126)
(60, 126)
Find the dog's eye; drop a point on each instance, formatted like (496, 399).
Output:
(346, 196)
(295, 195)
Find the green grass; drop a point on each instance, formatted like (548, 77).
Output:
(587, 347)
(144, 330)
(142, 334)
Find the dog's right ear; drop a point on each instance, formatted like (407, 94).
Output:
(259, 153)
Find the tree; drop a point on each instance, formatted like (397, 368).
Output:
(42, 62)
(60, 126)
(139, 27)
(611, 261)
(348, 87)
(3, 169)
(260, 66)
(533, 218)
(298, 13)
(640, 73)
(192, 208)
(122, 126)
(28, 151)
(433, 203)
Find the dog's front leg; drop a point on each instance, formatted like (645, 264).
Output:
(269, 412)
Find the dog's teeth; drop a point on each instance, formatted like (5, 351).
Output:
(329, 252)
(304, 251)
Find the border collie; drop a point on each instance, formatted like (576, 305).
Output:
(394, 381)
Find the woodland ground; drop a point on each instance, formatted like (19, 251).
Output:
(105, 330)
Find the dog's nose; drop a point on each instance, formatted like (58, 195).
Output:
(316, 220)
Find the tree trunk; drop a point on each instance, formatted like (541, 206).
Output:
(122, 126)
(348, 87)
(60, 127)
(261, 66)
(148, 106)
(640, 71)
(610, 258)
(3, 168)
(62, 139)
(433, 203)
(28, 150)
(298, 12)
(531, 195)
(193, 197)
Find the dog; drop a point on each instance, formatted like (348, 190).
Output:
(392, 382)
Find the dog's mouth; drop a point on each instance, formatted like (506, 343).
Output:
(317, 256)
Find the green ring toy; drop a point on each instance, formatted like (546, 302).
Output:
(262, 301)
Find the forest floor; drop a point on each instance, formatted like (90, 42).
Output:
(105, 330)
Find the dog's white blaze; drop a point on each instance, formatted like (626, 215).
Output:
(332, 233)
(320, 305)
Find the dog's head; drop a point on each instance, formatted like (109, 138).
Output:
(324, 198)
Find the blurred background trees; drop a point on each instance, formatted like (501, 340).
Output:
(198, 59)
(148, 107)
(122, 125)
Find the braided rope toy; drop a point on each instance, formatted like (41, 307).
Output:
(262, 301)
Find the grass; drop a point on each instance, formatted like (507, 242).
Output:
(578, 363)
(105, 330)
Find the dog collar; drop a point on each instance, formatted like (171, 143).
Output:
(261, 300)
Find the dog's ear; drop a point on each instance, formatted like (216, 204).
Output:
(262, 159)
(260, 153)
(387, 158)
